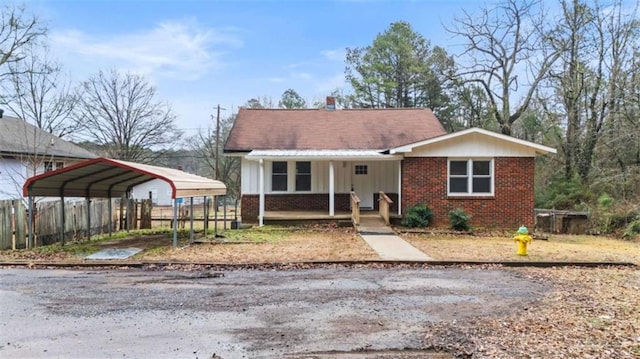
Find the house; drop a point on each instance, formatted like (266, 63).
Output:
(26, 150)
(314, 159)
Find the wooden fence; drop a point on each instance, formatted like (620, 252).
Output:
(13, 224)
(125, 214)
(47, 220)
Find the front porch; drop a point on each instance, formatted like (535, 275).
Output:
(318, 185)
(340, 217)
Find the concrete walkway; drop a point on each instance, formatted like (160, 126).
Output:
(389, 246)
(392, 247)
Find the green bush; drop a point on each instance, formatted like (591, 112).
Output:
(632, 229)
(418, 216)
(459, 220)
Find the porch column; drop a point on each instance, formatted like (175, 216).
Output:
(261, 189)
(400, 188)
(331, 190)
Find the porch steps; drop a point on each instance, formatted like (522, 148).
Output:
(373, 225)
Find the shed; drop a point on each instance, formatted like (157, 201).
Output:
(108, 178)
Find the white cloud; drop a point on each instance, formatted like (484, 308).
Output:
(335, 54)
(330, 83)
(175, 49)
(276, 79)
(302, 75)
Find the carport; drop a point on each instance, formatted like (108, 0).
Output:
(107, 178)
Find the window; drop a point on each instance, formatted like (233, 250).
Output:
(48, 165)
(279, 176)
(470, 177)
(361, 169)
(303, 176)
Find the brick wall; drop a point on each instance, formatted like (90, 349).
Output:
(424, 180)
(291, 202)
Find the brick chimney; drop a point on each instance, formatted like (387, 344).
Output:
(331, 103)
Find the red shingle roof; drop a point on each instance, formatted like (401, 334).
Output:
(330, 129)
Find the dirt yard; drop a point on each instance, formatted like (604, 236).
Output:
(324, 244)
(327, 243)
(553, 248)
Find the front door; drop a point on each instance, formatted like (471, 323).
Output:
(362, 184)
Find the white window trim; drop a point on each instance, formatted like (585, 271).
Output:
(291, 177)
(295, 177)
(271, 190)
(469, 161)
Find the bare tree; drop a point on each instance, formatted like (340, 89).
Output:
(506, 49)
(40, 93)
(120, 113)
(590, 83)
(17, 30)
(204, 145)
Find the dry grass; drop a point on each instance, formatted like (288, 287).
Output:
(588, 313)
(271, 246)
(556, 248)
(327, 243)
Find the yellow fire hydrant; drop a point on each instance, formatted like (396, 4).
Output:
(522, 238)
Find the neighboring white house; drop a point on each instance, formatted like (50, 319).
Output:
(159, 190)
(26, 150)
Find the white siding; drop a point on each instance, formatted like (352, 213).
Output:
(13, 174)
(383, 173)
(161, 192)
(475, 145)
(249, 176)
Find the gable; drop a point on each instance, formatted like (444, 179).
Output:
(321, 129)
(473, 142)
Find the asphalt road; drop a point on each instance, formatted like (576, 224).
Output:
(241, 314)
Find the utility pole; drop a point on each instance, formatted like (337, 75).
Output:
(217, 173)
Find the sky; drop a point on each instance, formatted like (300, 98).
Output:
(200, 54)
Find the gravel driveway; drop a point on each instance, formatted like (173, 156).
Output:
(243, 313)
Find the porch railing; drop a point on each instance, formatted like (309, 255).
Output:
(355, 208)
(384, 206)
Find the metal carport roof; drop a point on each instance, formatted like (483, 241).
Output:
(107, 178)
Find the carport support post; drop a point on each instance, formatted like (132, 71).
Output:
(175, 222)
(88, 218)
(30, 229)
(128, 216)
(191, 223)
(215, 215)
(224, 213)
(62, 224)
(205, 217)
(110, 215)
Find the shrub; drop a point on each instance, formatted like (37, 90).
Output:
(632, 229)
(418, 216)
(459, 220)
